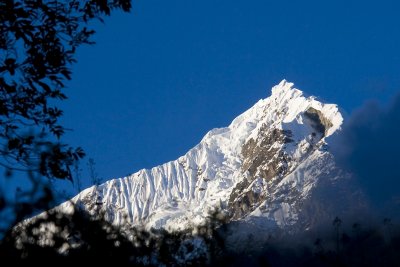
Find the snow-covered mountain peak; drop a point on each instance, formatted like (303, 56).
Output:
(283, 88)
(243, 169)
(287, 104)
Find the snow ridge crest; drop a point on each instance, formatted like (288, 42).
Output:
(180, 193)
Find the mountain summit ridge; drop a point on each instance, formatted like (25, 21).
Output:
(265, 164)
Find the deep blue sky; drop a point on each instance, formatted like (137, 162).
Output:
(160, 77)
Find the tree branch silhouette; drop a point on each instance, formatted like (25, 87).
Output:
(38, 42)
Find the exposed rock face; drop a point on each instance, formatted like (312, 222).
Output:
(262, 158)
(265, 165)
(318, 121)
(266, 153)
(266, 157)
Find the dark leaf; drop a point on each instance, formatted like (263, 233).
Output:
(13, 143)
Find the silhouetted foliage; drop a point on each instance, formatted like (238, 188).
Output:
(38, 41)
(79, 238)
(94, 177)
(336, 224)
(77, 177)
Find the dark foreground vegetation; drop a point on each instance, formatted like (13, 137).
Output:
(80, 238)
(38, 44)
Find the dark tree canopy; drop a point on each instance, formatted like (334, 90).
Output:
(38, 41)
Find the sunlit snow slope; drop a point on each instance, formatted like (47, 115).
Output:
(265, 164)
